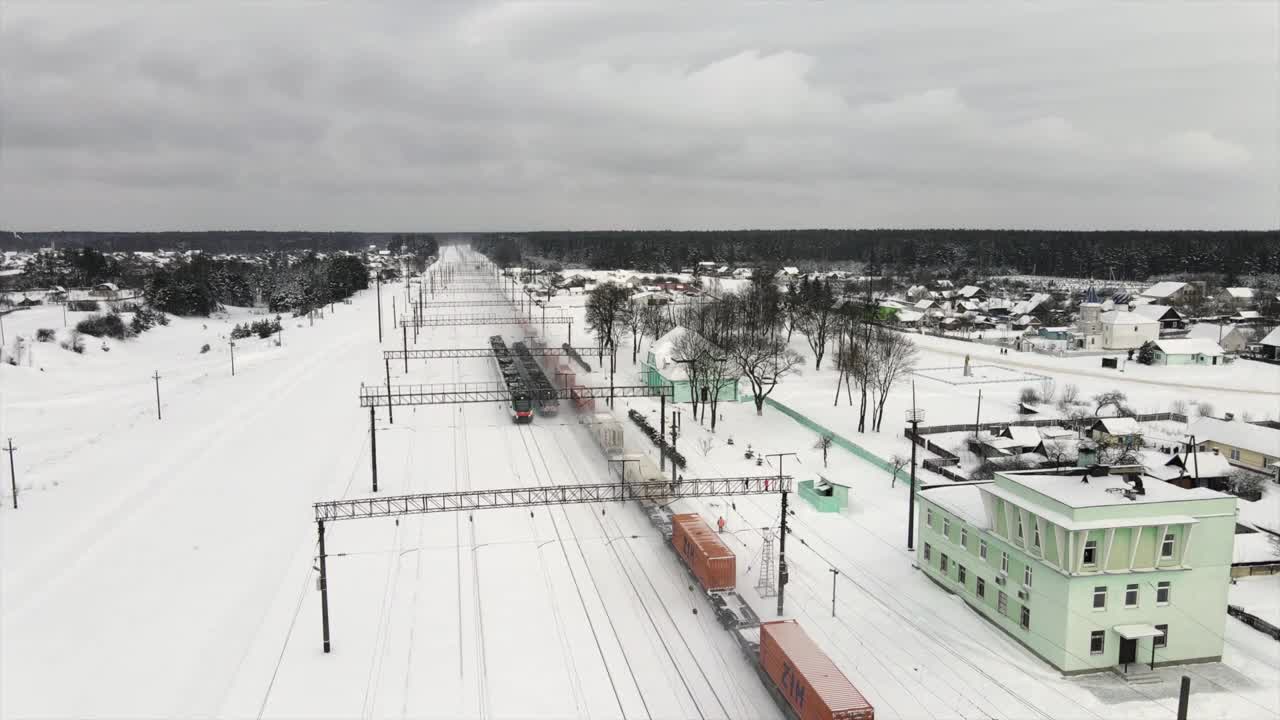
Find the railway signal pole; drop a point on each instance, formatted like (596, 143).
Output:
(782, 535)
(324, 588)
(232, 344)
(390, 413)
(156, 377)
(675, 433)
(379, 276)
(373, 446)
(914, 416)
(13, 477)
(834, 572)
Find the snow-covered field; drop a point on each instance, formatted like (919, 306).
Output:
(166, 568)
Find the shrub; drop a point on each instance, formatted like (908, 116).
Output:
(82, 305)
(44, 335)
(1179, 407)
(1247, 485)
(204, 348)
(1205, 408)
(73, 342)
(103, 326)
(1147, 353)
(1029, 395)
(1070, 394)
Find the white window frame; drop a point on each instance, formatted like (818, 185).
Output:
(1035, 535)
(1002, 603)
(1101, 637)
(946, 527)
(928, 517)
(1137, 591)
(1096, 593)
(962, 575)
(927, 551)
(1004, 562)
(980, 587)
(1166, 587)
(943, 564)
(964, 537)
(1161, 640)
(982, 549)
(1026, 575)
(1169, 542)
(1024, 618)
(1090, 555)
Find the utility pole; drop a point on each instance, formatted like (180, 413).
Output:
(324, 588)
(373, 447)
(1184, 697)
(782, 535)
(675, 432)
(393, 312)
(662, 431)
(977, 419)
(156, 377)
(13, 476)
(390, 415)
(379, 276)
(914, 416)
(834, 572)
(232, 344)
(404, 343)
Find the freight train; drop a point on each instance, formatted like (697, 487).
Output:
(802, 680)
(544, 394)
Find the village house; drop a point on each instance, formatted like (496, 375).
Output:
(1228, 337)
(105, 291)
(1126, 330)
(1169, 318)
(662, 369)
(1248, 445)
(1237, 297)
(1122, 430)
(1171, 292)
(1187, 352)
(1271, 345)
(1193, 469)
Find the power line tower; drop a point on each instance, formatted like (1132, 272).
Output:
(768, 585)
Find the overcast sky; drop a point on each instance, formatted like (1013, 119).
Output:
(430, 116)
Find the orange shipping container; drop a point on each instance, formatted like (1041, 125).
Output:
(711, 562)
(812, 684)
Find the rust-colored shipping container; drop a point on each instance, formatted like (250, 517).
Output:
(808, 680)
(712, 563)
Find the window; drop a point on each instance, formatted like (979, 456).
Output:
(928, 517)
(927, 551)
(1163, 638)
(1097, 642)
(946, 527)
(1162, 593)
(964, 537)
(1090, 552)
(1004, 562)
(1234, 454)
(1026, 576)
(960, 573)
(1019, 526)
(982, 588)
(1035, 537)
(1002, 603)
(1166, 548)
(1025, 618)
(1100, 598)
(982, 549)
(1131, 596)
(943, 564)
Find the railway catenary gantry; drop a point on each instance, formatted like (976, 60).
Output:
(472, 500)
(449, 354)
(459, 320)
(475, 392)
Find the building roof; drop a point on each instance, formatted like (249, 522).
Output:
(1272, 338)
(1072, 491)
(964, 500)
(1189, 346)
(1236, 433)
(1210, 331)
(969, 290)
(1164, 289)
(1052, 432)
(1156, 312)
(1209, 464)
(1241, 293)
(1120, 317)
(1119, 426)
(1248, 315)
(1024, 435)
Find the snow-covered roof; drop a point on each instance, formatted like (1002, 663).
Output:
(1254, 547)
(1054, 432)
(964, 500)
(1189, 346)
(1248, 315)
(1120, 317)
(663, 349)
(1209, 331)
(1119, 426)
(1236, 433)
(1272, 338)
(969, 290)
(1164, 289)
(1025, 435)
(1202, 464)
(1073, 491)
(924, 304)
(907, 316)
(1241, 293)
(1155, 312)
(790, 270)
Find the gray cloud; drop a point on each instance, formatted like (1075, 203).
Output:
(524, 115)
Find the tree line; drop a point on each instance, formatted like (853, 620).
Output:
(213, 241)
(1104, 254)
(747, 335)
(202, 285)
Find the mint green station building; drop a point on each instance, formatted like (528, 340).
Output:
(1090, 570)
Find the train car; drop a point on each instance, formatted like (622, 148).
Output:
(711, 561)
(812, 686)
(581, 400)
(608, 434)
(521, 406)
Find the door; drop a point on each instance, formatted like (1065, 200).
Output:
(1128, 651)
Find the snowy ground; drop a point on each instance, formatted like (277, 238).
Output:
(165, 568)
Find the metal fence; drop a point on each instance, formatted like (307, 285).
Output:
(1254, 621)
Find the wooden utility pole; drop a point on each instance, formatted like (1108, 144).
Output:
(156, 377)
(379, 276)
(232, 344)
(13, 477)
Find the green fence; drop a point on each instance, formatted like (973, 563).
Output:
(839, 441)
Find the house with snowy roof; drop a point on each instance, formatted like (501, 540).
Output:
(1171, 292)
(1088, 568)
(1127, 330)
(1227, 336)
(972, 292)
(1124, 430)
(1248, 445)
(1192, 469)
(1237, 296)
(1168, 317)
(1187, 352)
(1271, 344)
(663, 367)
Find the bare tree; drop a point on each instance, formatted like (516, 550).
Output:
(654, 321)
(816, 318)
(1110, 398)
(1059, 453)
(763, 361)
(690, 350)
(895, 358)
(898, 462)
(720, 373)
(705, 444)
(823, 443)
(606, 305)
(630, 317)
